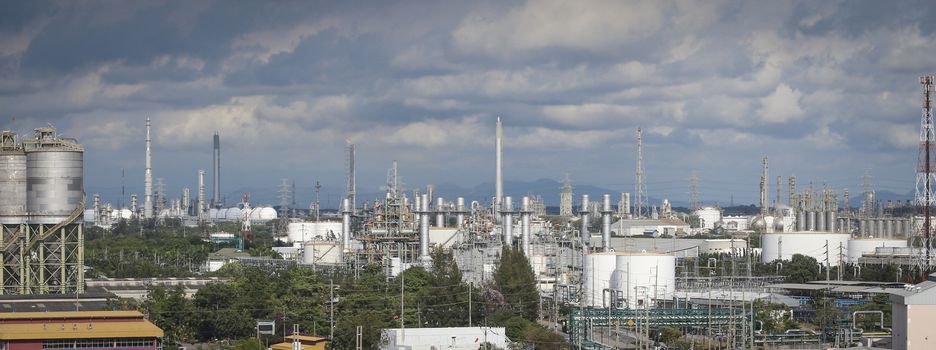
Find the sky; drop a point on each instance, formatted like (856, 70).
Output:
(826, 89)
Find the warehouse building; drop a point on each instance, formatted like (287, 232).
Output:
(78, 330)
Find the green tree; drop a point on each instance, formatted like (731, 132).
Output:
(171, 311)
(444, 299)
(801, 269)
(515, 280)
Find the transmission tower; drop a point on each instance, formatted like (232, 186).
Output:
(565, 198)
(641, 189)
(925, 176)
(693, 191)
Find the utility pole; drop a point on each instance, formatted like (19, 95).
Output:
(331, 300)
(470, 287)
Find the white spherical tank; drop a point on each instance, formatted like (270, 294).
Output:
(233, 214)
(121, 214)
(644, 277)
(215, 214)
(708, 216)
(263, 214)
(321, 253)
(858, 247)
(784, 245)
(596, 277)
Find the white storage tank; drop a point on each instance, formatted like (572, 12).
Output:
(644, 277)
(859, 247)
(307, 231)
(321, 252)
(596, 277)
(783, 245)
(708, 216)
(262, 214)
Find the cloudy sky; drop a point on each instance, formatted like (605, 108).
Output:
(826, 89)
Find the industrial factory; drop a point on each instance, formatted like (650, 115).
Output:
(637, 265)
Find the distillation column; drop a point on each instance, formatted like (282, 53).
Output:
(460, 212)
(346, 224)
(424, 256)
(525, 224)
(606, 223)
(440, 212)
(507, 223)
(583, 214)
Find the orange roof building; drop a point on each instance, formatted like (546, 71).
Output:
(78, 330)
(306, 343)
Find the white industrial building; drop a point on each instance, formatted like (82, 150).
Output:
(649, 227)
(914, 313)
(465, 338)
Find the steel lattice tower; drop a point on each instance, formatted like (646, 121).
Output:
(925, 176)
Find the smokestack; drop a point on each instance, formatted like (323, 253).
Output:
(346, 224)
(424, 230)
(507, 223)
(460, 212)
(352, 184)
(133, 205)
(216, 184)
(498, 155)
(440, 212)
(583, 214)
(200, 210)
(606, 223)
(525, 225)
(148, 175)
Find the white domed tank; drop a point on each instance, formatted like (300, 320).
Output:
(596, 277)
(233, 214)
(782, 245)
(12, 180)
(215, 214)
(263, 214)
(858, 247)
(709, 216)
(54, 177)
(321, 252)
(643, 277)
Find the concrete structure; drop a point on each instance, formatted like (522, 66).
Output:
(78, 330)
(914, 313)
(641, 227)
(465, 338)
(814, 244)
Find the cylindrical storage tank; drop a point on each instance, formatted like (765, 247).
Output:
(806, 243)
(801, 220)
(644, 277)
(708, 216)
(321, 253)
(54, 177)
(596, 277)
(12, 180)
(858, 247)
(879, 223)
(831, 221)
(810, 220)
(821, 221)
(863, 227)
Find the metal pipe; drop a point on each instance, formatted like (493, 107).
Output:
(346, 224)
(460, 212)
(507, 222)
(583, 214)
(525, 224)
(424, 229)
(440, 213)
(606, 223)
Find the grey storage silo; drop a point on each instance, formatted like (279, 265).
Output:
(54, 177)
(12, 180)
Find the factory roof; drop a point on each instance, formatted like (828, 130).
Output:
(650, 222)
(923, 293)
(69, 315)
(228, 253)
(80, 330)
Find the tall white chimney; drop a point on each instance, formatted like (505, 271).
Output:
(148, 175)
(498, 175)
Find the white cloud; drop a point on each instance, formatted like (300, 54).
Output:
(782, 106)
